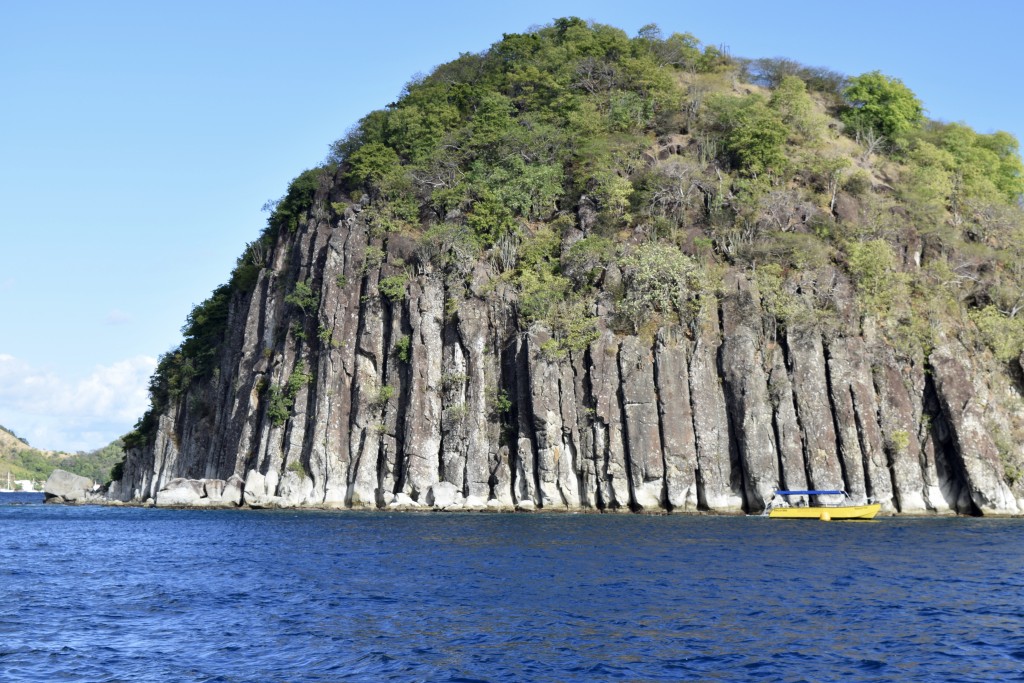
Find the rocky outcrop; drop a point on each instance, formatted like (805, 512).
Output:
(746, 385)
(65, 487)
(979, 463)
(438, 400)
(181, 492)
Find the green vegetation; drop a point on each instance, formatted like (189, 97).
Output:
(25, 462)
(900, 440)
(881, 104)
(303, 298)
(281, 399)
(402, 348)
(752, 132)
(384, 395)
(659, 279)
(296, 467)
(498, 401)
(95, 464)
(1003, 334)
(393, 287)
(289, 212)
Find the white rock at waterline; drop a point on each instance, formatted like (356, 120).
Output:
(402, 500)
(180, 492)
(232, 493)
(475, 502)
(256, 490)
(70, 487)
(443, 495)
(213, 489)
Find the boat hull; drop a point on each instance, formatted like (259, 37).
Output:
(817, 512)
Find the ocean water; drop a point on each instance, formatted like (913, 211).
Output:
(130, 594)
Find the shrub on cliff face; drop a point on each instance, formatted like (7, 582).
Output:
(978, 167)
(872, 265)
(587, 259)
(303, 298)
(450, 247)
(1001, 333)
(658, 278)
(796, 109)
(402, 349)
(296, 467)
(281, 399)
(393, 287)
(370, 164)
(540, 291)
(279, 406)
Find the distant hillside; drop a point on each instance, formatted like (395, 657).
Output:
(9, 441)
(94, 464)
(21, 460)
(25, 462)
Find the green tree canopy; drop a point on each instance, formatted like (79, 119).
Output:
(882, 104)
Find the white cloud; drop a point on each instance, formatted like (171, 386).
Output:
(70, 414)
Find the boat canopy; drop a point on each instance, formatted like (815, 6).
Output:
(809, 493)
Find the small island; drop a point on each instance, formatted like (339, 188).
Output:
(587, 271)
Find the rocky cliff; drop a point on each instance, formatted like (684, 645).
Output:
(587, 271)
(436, 399)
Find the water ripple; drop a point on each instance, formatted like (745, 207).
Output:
(108, 594)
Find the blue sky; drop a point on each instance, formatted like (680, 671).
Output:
(139, 140)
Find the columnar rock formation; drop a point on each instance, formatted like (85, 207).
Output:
(437, 399)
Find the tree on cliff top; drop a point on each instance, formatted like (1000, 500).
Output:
(882, 104)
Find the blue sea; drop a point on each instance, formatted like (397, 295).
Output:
(131, 594)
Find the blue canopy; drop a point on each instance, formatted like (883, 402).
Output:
(809, 493)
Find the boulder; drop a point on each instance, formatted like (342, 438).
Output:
(232, 492)
(294, 489)
(475, 503)
(443, 494)
(402, 500)
(213, 489)
(66, 487)
(256, 490)
(847, 208)
(180, 492)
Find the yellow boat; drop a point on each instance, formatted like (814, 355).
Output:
(780, 508)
